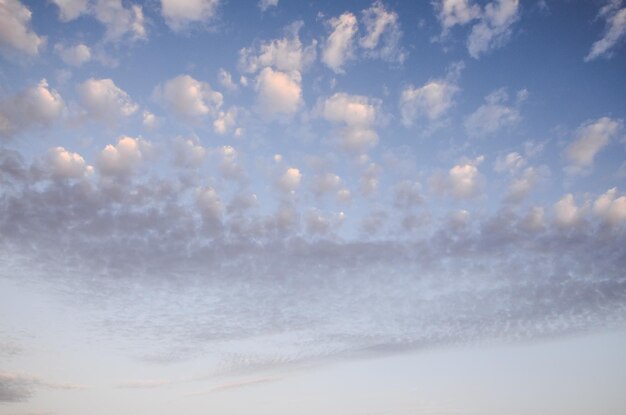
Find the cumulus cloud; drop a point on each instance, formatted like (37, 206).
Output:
(432, 100)
(615, 19)
(120, 22)
(123, 158)
(226, 80)
(70, 9)
(407, 194)
(266, 4)
(210, 204)
(463, 181)
(228, 165)
(325, 183)
(74, 55)
(149, 120)
(382, 34)
(179, 14)
(591, 138)
(65, 164)
(290, 180)
(493, 26)
(566, 212)
(520, 187)
(188, 98)
(37, 106)
(225, 121)
(102, 99)
(611, 207)
(286, 54)
(339, 46)
(495, 114)
(189, 152)
(510, 163)
(279, 93)
(15, 31)
(357, 114)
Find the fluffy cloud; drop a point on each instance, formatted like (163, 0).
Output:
(357, 114)
(339, 46)
(266, 4)
(65, 164)
(210, 204)
(102, 99)
(615, 18)
(286, 54)
(611, 208)
(407, 194)
(463, 181)
(188, 98)
(566, 213)
(70, 9)
(226, 80)
(382, 28)
(591, 138)
(493, 22)
(495, 114)
(279, 93)
(179, 14)
(521, 186)
(290, 180)
(36, 106)
(124, 157)
(325, 183)
(73, 55)
(511, 163)
(188, 152)
(15, 32)
(225, 121)
(119, 20)
(228, 165)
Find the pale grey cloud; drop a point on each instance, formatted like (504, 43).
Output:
(15, 31)
(615, 18)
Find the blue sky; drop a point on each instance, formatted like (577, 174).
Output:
(233, 206)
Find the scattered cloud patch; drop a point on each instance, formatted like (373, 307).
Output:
(591, 138)
(179, 14)
(615, 20)
(15, 31)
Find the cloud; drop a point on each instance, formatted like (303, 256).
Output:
(493, 22)
(210, 204)
(103, 100)
(339, 46)
(279, 93)
(228, 165)
(407, 194)
(225, 121)
(610, 207)
(120, 22)
(74, 55)
(566, 213)
(591, 138)
(189, 99)
(70, 9)
(179, 14)
(382, 28)
(19, 387)
(226, 80)
(189, 152)
(495, 115)
(266, 4)
(521, 186)
(37, 106)
(511, 163)
(290, 180)
(357, 114)
(123, 158)
(65, 164)
(432, 100)
(286, 54)
(15, 32)
(463, 181)
(615, 21)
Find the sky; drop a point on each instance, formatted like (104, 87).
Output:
(340, 207)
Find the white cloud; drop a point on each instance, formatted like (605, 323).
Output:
(592, 137)
(370, 178)
(407, 194)
(318, 223)
(36, 106)
(226, 80)
(188, 98)
(357, 113)
(456, 12)
(463, 181)
(521, 186)
(534, 220)
(290, 180)
(610, 208)
(188, 152)
(431, 100)
(278, 92)
(325, 183)
(209, 203)
(286, 54)
(382, 27)
(339, 47)
(494, 115)
(119, 20)
(266, 4)
(124, 157)
(15, 32)
(228, 165)
(566, 212)
(70, 9)
(65, 164)
(74, 55)
(149, 120)
(104, 100)
(225, 121)
(511, 163)
(494, 27)
(179, 14)
(615, 31)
